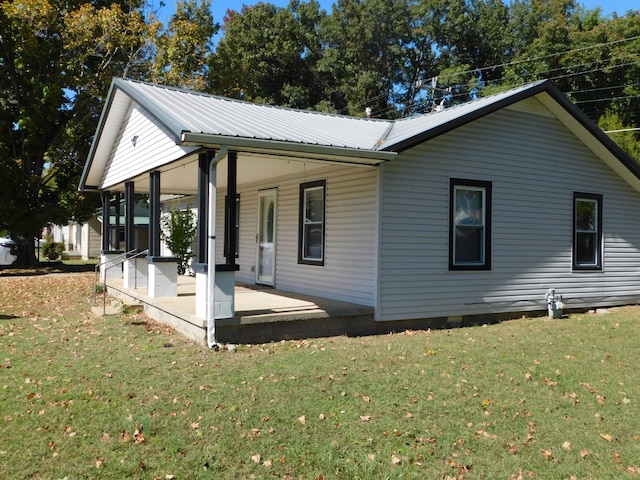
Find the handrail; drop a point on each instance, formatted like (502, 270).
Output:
(119, 260)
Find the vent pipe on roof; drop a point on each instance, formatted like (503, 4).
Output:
(369, 112)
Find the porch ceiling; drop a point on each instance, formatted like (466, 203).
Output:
(181, 177)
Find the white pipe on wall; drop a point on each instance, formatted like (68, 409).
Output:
(211, 250)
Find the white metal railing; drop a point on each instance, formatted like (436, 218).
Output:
(119, 260)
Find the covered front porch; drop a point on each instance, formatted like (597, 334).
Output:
(262, 314)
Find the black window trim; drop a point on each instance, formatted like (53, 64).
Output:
(303, 187)
(599, 233)
(488, 186)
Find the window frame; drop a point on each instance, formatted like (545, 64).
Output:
(302, 224)
(486, 187)
(597, 199)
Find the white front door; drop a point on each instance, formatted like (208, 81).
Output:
(266, 236)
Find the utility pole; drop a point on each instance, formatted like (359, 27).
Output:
(433, 87)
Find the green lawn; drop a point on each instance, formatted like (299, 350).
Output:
(123, 397)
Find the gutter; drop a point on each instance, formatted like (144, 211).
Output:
(346, 155)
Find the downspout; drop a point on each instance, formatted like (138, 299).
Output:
(211, 251)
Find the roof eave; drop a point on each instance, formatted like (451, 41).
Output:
(469, 117)
(96, 139)
(332, 154)
(594, 130)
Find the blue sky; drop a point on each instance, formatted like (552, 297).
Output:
(219, 7)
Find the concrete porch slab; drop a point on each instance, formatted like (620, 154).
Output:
(262, 314)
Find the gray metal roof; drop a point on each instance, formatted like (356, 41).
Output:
(187, 111)
(202, 120)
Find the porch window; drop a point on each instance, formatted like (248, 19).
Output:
(469, 225)
(587, 231)
(311, 223)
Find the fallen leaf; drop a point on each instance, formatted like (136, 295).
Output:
(607, 437)
(266, 463)
(138, 437)
(566, 445)
(365, 418)
(395, 460)
(302, 419)
(584, 453)
(366, 398)
(256, 458)
(617, 458)
(547, 454)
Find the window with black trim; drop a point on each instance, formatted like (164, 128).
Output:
(587, 231)
(311, 223)
(469, 224)
(235, 225)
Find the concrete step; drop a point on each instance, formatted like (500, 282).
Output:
(117, 307)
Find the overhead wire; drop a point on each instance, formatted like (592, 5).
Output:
(415, 106)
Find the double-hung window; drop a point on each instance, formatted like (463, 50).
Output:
(469, 225)
(312, 223)
(587, 231)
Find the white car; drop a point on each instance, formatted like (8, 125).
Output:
(7, 251)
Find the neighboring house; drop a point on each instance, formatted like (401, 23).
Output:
(473, 211)
(85, 239)
(79, 239)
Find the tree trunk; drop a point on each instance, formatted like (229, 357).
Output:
(26, 251)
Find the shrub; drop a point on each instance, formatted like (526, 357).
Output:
(178, 231)
(53, 250)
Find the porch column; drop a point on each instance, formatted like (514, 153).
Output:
(115, 240)
(154, 214)
(129, 206)
(109, 268)
(203, 184)
(200, 266)
(134, 267)
(106, 223)
(231, 205)
(162, 279)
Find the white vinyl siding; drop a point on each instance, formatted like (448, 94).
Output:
(151, 148)
(535, 165)
(348, 273)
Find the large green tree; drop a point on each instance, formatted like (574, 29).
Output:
(57, 59)
(364, 42)
(268, 54)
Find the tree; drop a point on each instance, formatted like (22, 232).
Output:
(56, 63)
(267, 55)
(184, 48)
(364, 41)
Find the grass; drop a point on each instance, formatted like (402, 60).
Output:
(124, 397)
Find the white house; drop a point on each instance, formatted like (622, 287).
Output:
(475, 211)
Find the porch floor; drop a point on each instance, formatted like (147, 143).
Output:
(262, 313)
